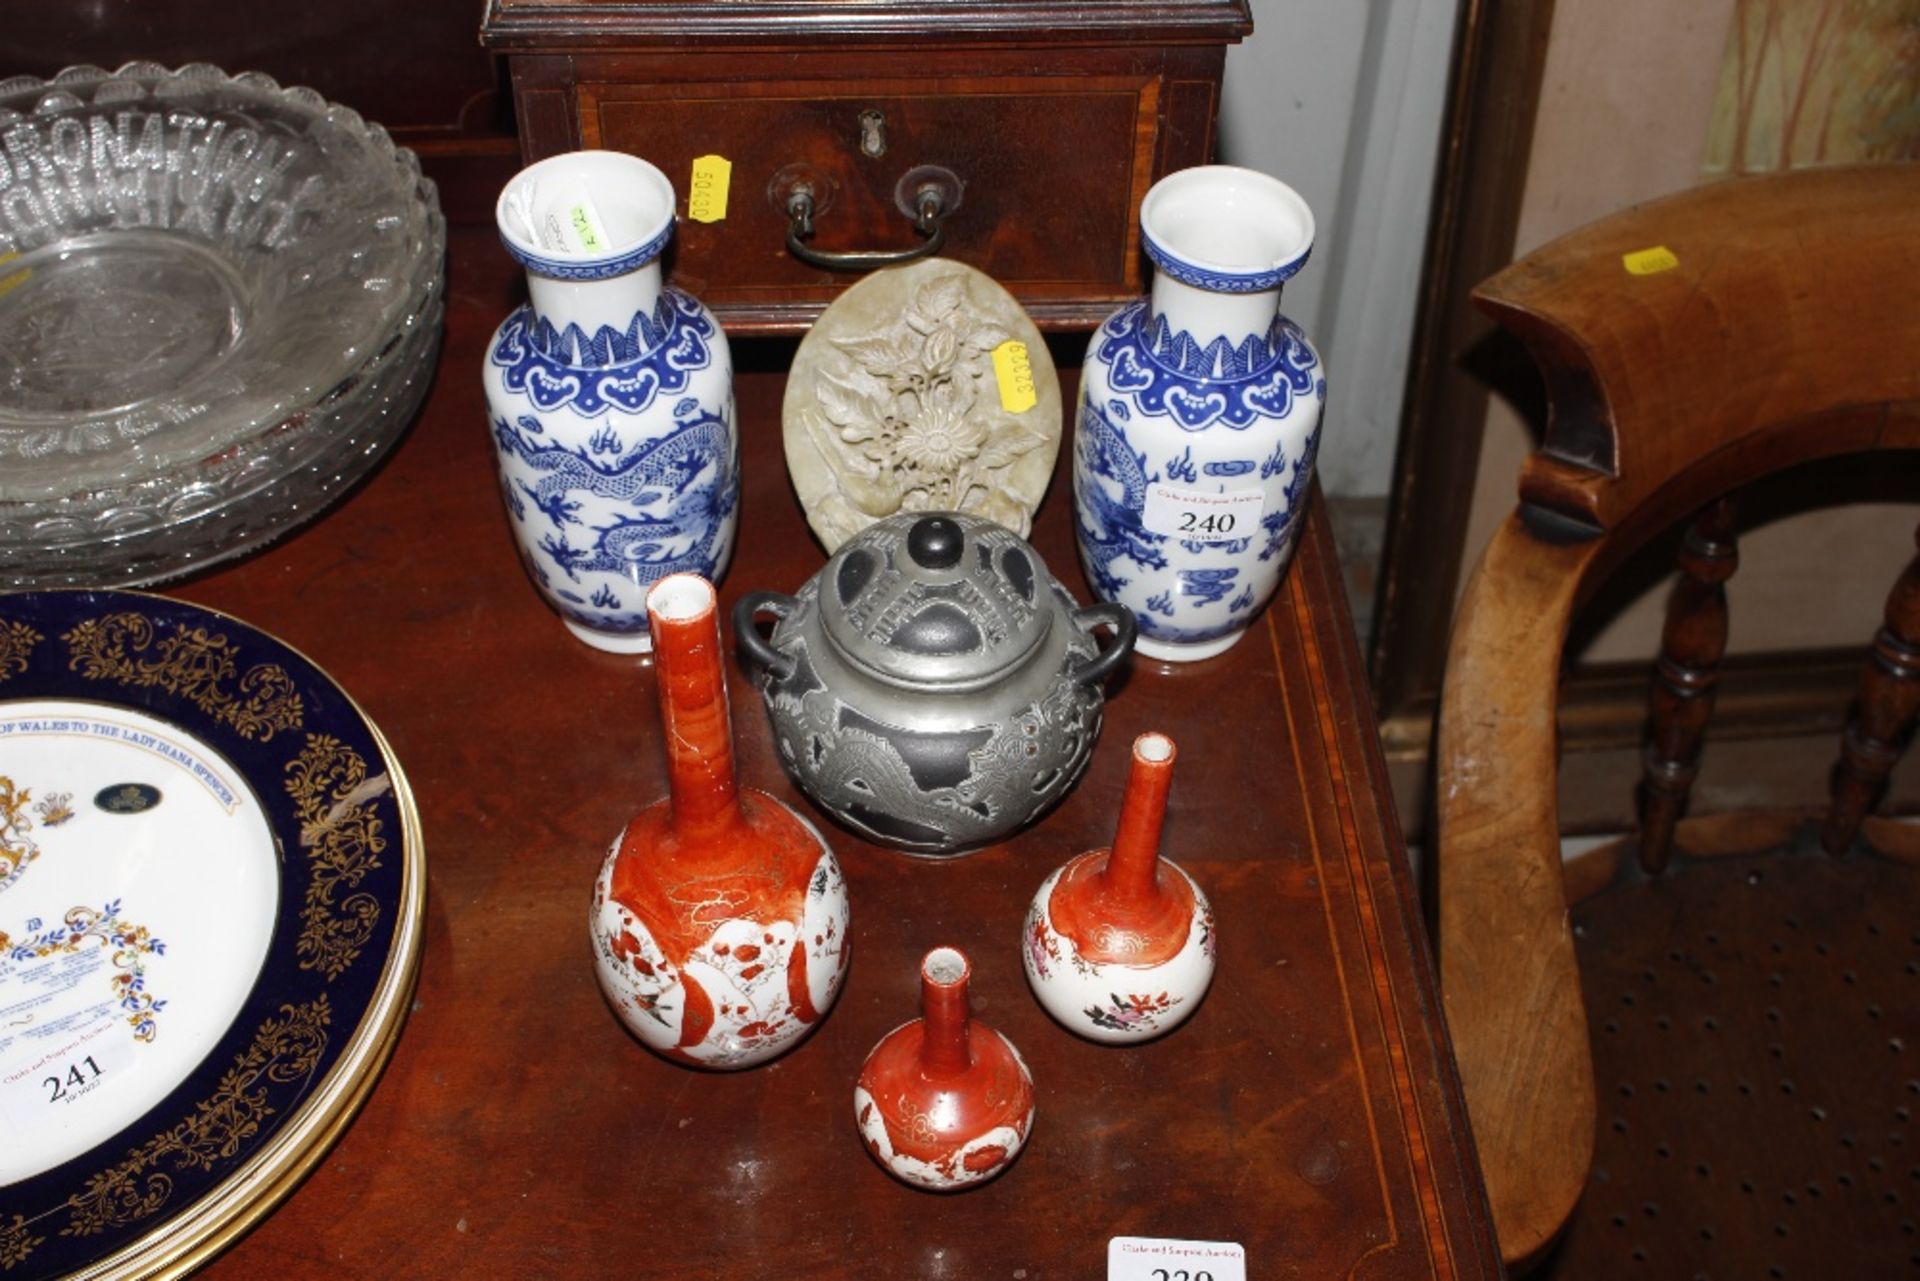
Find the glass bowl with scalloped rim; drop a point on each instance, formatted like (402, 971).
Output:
(220, 304)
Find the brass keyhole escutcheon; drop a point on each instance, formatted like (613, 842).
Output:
(873, 133)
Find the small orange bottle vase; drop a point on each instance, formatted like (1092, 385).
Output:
(944, 1102)
(1119, 943)
(719, 920)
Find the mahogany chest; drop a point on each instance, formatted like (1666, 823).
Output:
(1032, 127)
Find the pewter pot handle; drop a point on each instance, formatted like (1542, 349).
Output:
(1125, 631)
(753, 648)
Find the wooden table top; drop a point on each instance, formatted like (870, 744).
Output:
(1308, 1110)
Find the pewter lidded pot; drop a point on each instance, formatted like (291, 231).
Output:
(933, 687)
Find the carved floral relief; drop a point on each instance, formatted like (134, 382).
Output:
(896, 403)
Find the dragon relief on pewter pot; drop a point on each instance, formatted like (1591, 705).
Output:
(933, 687)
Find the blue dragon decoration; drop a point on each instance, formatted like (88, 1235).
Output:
(1206, 586)
(1108, 508)
(1281, 524)
(677, 492)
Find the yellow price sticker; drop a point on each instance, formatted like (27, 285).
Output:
(707, 193)
(1650, 262)
(1014, 372)
(18, 278)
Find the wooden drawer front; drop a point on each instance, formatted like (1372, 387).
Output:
(1053, 171)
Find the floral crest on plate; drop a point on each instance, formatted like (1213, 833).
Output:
(17, 849)
(130, 945)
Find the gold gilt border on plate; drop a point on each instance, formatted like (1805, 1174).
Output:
(343, 837)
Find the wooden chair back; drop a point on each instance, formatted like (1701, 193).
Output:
(1689, 345)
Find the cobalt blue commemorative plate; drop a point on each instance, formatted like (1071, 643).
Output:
(211, 894)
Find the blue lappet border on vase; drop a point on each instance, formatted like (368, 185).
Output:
(1163, 372)
(608, 346)
(681, 334)
(591, 268)
(50, 1200)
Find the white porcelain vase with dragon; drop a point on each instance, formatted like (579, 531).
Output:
(610, 399)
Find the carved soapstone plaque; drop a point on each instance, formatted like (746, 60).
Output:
(922, 388)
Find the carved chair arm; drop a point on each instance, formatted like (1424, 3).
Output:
(1508, 975)
(1779, 326)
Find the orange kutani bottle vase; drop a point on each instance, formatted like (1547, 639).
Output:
(1119, 943)
(944, 1102)
(720, 917)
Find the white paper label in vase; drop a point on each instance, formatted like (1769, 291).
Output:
(575, 229)
(1195, 516)
(1161, 1259)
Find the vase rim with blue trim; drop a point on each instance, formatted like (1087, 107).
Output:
(1226, 229)
(586, 215)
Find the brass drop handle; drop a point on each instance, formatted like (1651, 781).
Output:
(930, 203)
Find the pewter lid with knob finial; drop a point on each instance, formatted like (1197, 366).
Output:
(943, 600)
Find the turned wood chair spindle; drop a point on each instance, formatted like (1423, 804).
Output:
(1710, 1070)
(1882, 719)
(1691, 646)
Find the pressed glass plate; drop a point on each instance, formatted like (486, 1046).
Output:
(211, 883)
(220, 300)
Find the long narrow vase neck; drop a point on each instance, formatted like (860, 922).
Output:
(593, 305)
(1134, 861)
(944, 1047)
(698, 725)
(1208, 316)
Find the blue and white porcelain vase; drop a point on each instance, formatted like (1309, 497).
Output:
(611, 399)
(1200, 415)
